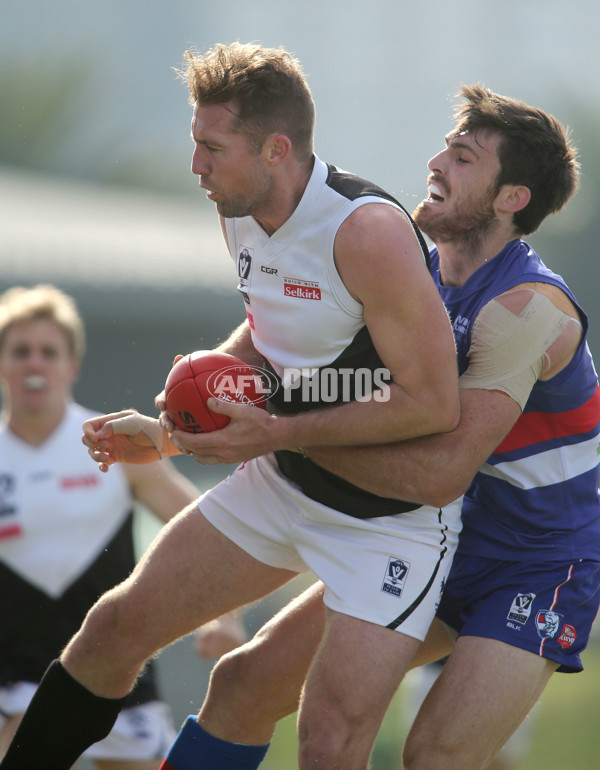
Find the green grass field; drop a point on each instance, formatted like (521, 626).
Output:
(566, 734)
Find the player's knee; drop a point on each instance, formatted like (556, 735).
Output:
(330, 737)
(108, 630)
(243, 679)
(320, 747)
(326, 745)
(424, 750)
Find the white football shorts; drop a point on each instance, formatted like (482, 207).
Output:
(140, 732)
(388, 570)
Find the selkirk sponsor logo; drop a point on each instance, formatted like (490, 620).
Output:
(73, 482)
(293, 287)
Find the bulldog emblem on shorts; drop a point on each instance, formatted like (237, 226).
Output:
(547, 623)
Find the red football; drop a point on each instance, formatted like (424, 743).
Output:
(205, 373)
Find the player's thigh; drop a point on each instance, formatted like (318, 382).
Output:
(354, 675)
(190, 574)
(485, 690)
(193, 573)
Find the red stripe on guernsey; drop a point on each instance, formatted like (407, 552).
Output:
(167, 766)
(10, 531)
(555, 600)
(534, 427)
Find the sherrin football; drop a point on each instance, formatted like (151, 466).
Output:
(204, 374)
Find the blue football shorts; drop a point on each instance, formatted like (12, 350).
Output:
(547, 608)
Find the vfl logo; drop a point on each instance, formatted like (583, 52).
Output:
(395, 576)
(9, 524)
(547, 623)
(244, 264)
(7, 489)
(520, 609)
(7, 484)
(244, 268)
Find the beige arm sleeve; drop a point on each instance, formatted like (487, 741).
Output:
(134, 424)
(509, 350)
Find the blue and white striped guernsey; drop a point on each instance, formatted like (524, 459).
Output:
(536, 498)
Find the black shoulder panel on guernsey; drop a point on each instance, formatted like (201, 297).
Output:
(352, 187)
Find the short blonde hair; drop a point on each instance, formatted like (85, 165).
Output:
(21, 304)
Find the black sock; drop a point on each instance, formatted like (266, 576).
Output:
(62, 720)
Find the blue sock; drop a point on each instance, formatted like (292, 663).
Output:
(194, 748)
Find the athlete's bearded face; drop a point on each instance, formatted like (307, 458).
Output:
(469, 218)
(462, 190)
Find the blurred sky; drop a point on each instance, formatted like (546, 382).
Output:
(382, 71)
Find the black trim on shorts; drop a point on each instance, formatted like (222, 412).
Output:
(409, 610)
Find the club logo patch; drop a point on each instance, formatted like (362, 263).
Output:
(395, 576)
(520, 609)
(244, 264)
(244, 269)
(567, 636)
(547, 622)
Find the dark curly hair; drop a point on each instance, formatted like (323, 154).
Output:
(534, 150)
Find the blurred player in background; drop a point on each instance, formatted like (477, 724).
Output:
(65, 527)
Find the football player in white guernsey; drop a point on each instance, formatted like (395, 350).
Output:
(524, 586)
(334, 279)
(65, 528)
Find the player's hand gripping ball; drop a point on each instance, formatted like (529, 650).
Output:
(204, 374)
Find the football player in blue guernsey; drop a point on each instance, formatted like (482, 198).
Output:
(66, 530)
(524, 586)
(335, 280)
